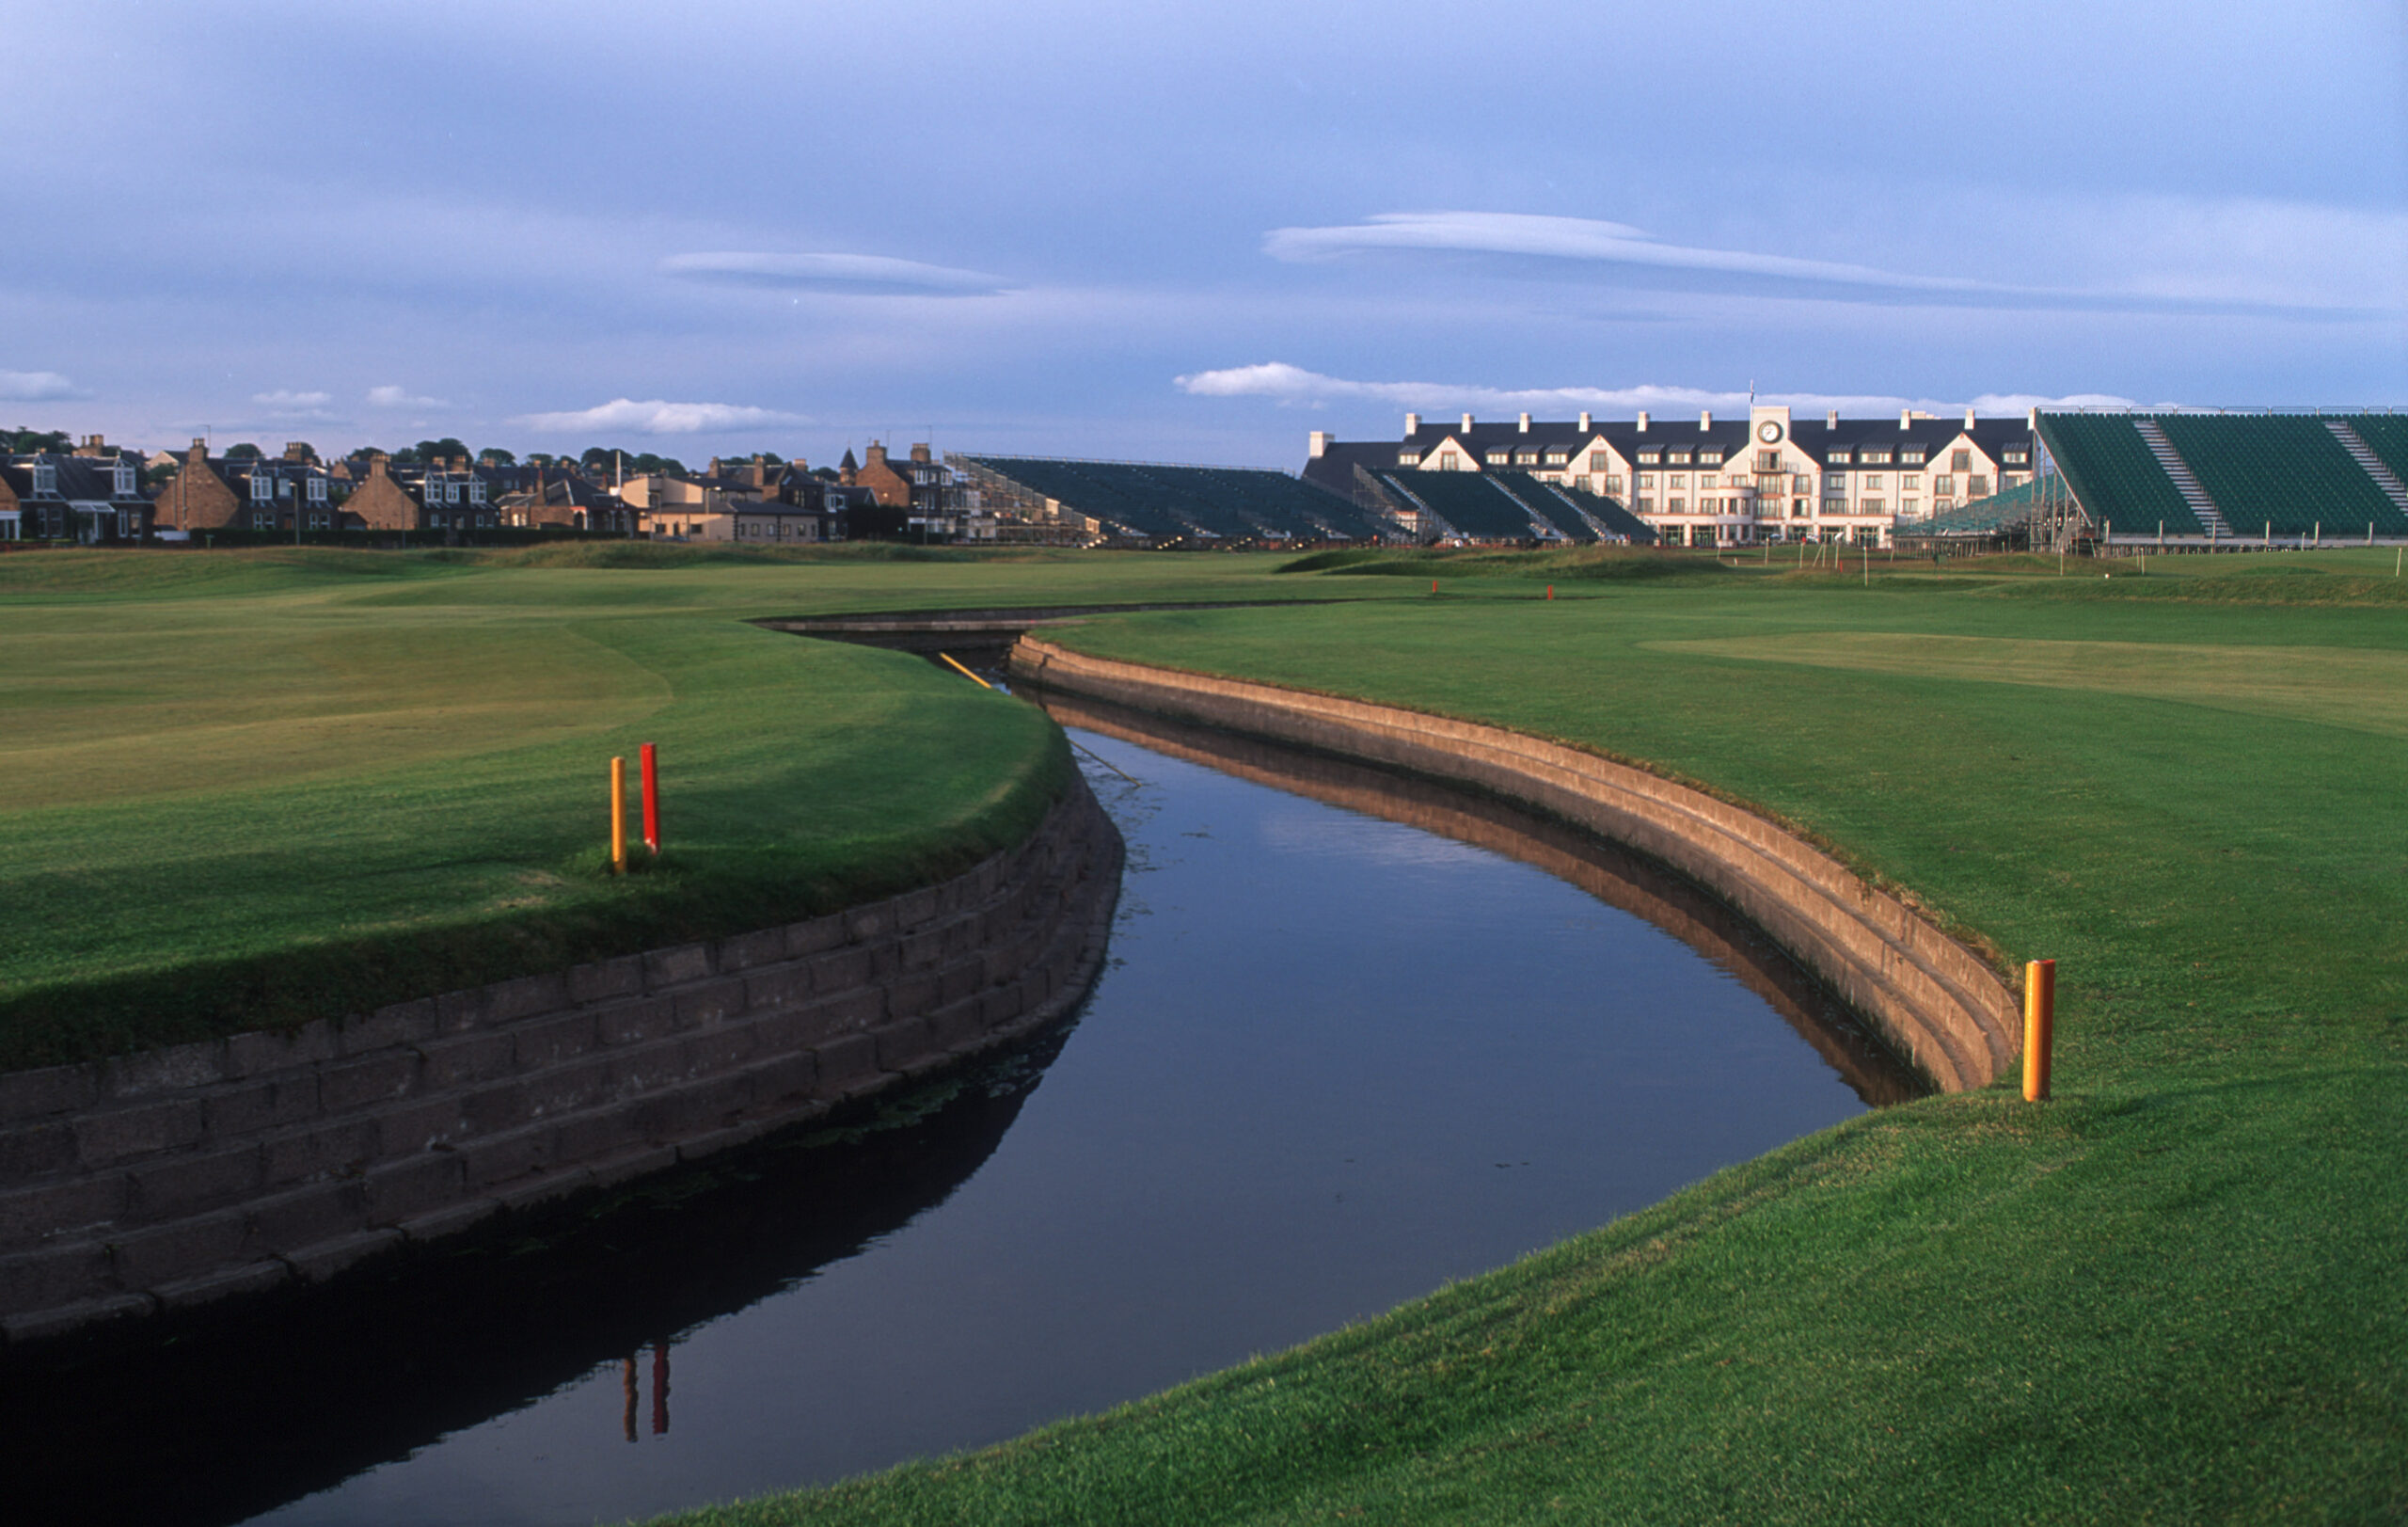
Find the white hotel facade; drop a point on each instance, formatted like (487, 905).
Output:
(1729, 482)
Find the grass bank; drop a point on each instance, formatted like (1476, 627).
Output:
(252, 788)
(2171, 1294)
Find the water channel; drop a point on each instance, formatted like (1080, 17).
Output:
(1358, 1036)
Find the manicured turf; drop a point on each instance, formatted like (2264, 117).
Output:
(247, 789)
(2177, 1293)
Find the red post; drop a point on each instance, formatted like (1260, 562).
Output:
(1550, 590)
(651, 800)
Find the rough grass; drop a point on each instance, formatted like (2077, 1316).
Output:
(2171, 1294)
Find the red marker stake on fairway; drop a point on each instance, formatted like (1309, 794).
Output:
(651, 800)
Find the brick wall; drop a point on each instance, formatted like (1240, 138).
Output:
(183, 1175)
(1931, 998)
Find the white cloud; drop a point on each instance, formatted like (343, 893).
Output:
(657, 416)
(281, 399)
(395, 397)
(1579, 238)
(1293, 386)
(868, 274)
(38, 386)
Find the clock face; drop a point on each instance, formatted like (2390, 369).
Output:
(1768, 432)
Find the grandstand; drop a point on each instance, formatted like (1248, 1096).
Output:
(1505, 506)
(2229, 479)
(1170, 505)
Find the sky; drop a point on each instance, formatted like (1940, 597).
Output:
(1179, 232)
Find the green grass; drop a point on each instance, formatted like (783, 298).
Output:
(247, 789)
(2177, 1293)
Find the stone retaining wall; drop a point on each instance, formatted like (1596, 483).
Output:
(1936, 1001)
(167, 1179)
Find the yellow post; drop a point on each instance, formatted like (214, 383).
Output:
(618, 815)
(965, 673)
(2039, 1026)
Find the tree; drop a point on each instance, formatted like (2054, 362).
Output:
(245, 450)
(24, 441)
(442, 450)
(494, 455)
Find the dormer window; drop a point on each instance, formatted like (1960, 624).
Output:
(1874, 458)
(1499, 459)
(1709, 458)
(1559, 459)
(476, 490)
(123, 473)
(1408, 458)
(1525, 458)
(45, 477)
(1838, 458)
(317, 490)
(2015, 458)
(1910, 456)
(263, 488)
(1680, 458)
(1648, 458)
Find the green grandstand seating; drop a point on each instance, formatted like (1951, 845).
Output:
(1550, 505)
(1195, 504)
(1473, 502)
(2387, 435)
(2113, 472)
(1983, 516)
(2280, 473)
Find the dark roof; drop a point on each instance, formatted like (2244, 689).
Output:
(81, 479)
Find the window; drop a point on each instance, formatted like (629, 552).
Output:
(1768, 461)
(1558, 458)
(1498, 458)
(1676, 479)
(1613, 488)
(317, 519)
(1909, 483)
(1449, 461)
(1408, 458)
(262, 521)
(1646, 480)
(1871, 483)
(1679, 459)
(1871, 506)
(1525, 458)
(1646, 506)
(124, 475)
(1648, 458)
(263, 488)
(2014, 457)
(1910, 456)
(1674, 506)
(476, 490)
(45, 477)
(1978, 486)
(1801, 483)
(1874, 458)
(1581, 482)
(1710, 458)
(317, 490)
(1960, 461)
(1838, 458)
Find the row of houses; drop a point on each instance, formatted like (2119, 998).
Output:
(96, 494)
(1728, 482)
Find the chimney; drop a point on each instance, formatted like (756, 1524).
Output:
(1904, 415)
(1466, 423)
(1412, 423)
(1585, 425)
(1832, 420)
(1317, 444)
(1969, 416)
(1526, 423)
(1642, 420)
(1704, 420)
(198, 454)
(920, 452)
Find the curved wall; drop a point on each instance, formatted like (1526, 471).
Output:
(177, 1176)
(1936, 1001)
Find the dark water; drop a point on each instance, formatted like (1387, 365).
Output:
(1335, 1061)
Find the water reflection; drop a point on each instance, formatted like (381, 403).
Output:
(1335, 1063)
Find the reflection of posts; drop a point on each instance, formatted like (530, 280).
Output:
(659, 1389)
(627, 1394)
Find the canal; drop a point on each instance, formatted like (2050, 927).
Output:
(1357, 1036)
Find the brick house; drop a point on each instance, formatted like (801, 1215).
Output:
(916, 485)
(249, 493)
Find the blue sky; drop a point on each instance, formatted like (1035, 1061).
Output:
(1180, 233)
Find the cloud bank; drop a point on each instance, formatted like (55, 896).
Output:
(656, 417)
(395, 397)
(861, 274)
(38, 386)
(1294, 386)
(1582, 238)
